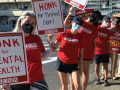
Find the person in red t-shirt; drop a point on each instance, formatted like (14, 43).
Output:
(114, 26)
(102, 49)
(35, 52)
(89, 30)
(72, 44)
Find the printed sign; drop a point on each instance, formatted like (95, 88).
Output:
(84, 14)
(49, 16)
(13, 61)
(77, 3)
(115, 42)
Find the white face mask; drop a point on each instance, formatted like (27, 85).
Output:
(105, 24)
(76, 27)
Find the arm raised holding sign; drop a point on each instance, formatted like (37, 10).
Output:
(89, 30)
(71, 43)
(35, 52)
(66, 21)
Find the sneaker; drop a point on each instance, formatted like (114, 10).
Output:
(106, 83)
(97, 82)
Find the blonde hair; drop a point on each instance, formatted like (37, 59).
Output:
(17, 26)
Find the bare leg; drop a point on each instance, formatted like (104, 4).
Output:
(63, 78)
(85, 77)
(105, 65)
(97, 66)
(71, 83)
(76, 80)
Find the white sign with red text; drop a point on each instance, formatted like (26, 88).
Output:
(13, 61)
(49, 16)
(77, 3)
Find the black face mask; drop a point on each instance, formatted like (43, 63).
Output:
(93, 18)
(27, 28)
(117, 20)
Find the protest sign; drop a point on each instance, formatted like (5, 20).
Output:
(77, 3)
(49, 16)
(13, 61)
(115, 42)
(84, 14)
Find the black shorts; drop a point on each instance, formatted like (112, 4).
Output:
(86, 59)
(66, 68)
(101, 58)
(40, 85)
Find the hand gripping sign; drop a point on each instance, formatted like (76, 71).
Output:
(49, 16)
(77, 3)
(13, 61)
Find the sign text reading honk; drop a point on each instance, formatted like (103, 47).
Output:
(13, 62)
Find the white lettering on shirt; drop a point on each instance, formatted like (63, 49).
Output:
(31, 46)
(71, 40)
(86, 30)
(102, 34)
(116, 34)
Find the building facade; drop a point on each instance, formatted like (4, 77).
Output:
(10, 10)
(113, 8)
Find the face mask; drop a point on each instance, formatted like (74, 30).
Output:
(93, 18)
(106, 24)
(27, 28)
(76, 27)
(117, 20)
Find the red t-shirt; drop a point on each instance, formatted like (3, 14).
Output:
(101, 43)
(34, 47)
(89, 32)
(70, 44)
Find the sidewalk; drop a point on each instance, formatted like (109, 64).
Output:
(114, 85)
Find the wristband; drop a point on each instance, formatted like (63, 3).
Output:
(70, 13)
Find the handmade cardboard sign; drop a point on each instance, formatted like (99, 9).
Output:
(77, 3)
(13, 61)
(49, 16)
(84, 14)
(115, 42)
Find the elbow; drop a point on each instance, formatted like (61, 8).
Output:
(65, 24)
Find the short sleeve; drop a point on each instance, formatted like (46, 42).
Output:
(42, 48)
(59, 36)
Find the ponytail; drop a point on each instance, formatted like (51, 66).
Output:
(96, 23)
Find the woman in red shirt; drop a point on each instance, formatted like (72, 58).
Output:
(34, 47)
(67, 61)
(89, 30)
